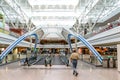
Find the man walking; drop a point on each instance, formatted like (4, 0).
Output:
(73, 58)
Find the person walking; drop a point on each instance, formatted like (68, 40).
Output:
(74, 59)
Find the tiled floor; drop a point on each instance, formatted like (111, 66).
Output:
(86, 72)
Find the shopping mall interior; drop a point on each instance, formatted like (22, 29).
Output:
(37, 38)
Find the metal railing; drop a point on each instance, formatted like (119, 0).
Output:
(9, 32)
(104, 28)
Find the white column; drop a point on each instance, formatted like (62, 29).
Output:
(118, 56)
(76, 44)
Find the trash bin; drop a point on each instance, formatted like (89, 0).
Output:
(92, 59)
(105, 63)
(114, 62)
(111, 62)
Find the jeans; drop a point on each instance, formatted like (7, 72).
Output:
(74, 64)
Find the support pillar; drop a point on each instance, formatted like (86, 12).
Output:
(76, 44)
(118, 56)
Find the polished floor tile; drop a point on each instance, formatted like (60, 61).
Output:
(58, 72)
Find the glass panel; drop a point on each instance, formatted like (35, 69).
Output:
(53, 2)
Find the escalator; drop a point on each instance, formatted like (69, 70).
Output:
(84, 41)
(87, 44)
(15, 43)
(55, 60)
(42, 61)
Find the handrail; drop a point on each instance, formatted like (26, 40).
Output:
(10, 47)
(9, 32)
(85, 42)
(105, 28)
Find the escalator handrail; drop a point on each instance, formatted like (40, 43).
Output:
(86, 43)
(14, 44)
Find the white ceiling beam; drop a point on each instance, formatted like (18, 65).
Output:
(53, 2)
(110, 14)
(92, 5)
(53, 18)
(16, 8)
(111, 11)
(54, 13)
(54, 22)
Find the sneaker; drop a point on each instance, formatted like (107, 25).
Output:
(76, 74)
(50, 65)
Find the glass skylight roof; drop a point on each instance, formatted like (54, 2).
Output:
(60, 13)
(53, 2)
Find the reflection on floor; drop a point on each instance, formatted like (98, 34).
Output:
(86, 72)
